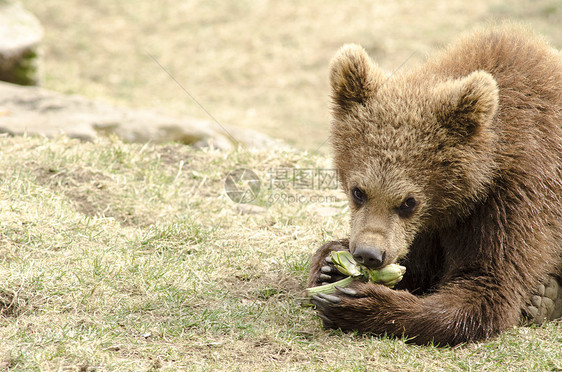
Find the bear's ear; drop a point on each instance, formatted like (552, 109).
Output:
(469, 104)
(353, 77)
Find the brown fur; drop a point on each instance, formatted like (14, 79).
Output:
(475, 136)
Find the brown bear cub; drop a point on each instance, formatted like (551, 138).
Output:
(454, 170)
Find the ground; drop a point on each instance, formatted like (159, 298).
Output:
(132, 257)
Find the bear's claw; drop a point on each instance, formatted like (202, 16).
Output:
(326, 321)
(348, 291)
(329, 274)
(325, 299)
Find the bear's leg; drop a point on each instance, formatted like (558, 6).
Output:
(322, 270)
(460, 311)
(545, 303)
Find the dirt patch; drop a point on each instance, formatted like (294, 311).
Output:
(11, 305)
(91, 193)
(266, 286)
(172, 155)
(84, 188)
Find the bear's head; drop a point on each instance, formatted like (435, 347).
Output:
(414, 151)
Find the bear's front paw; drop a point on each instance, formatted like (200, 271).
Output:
(322, 270)
(348, 308)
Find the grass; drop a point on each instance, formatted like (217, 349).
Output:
(255, 64)
(131, 257)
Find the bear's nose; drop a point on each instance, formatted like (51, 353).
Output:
(369, 256)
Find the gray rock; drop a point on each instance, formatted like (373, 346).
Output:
(20, 37)
(36, 111)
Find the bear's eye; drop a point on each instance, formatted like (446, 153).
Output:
(359, 196)
(407, 207)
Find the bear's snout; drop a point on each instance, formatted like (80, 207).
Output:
(368, 255)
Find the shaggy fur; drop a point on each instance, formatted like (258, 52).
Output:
(474, 137)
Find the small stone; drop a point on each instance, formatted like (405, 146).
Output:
(250, 209)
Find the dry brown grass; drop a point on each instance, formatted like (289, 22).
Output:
(256, 64)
